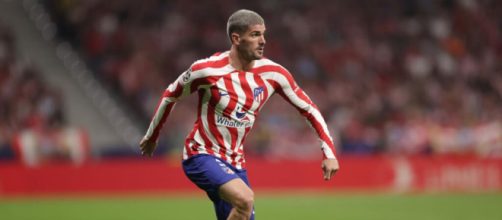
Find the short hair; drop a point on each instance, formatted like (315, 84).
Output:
(240, 21)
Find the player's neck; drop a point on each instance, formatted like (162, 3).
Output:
(238, 62)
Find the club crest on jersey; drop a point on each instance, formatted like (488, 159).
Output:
(258, 94)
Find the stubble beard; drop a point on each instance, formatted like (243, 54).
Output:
(250, 55)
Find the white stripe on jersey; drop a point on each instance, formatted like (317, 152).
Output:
(290, 93)
(265, 62)
(227, 138)
(327, 150)
(205, 123)
(157, 117)
(198, 139)
(241, 131)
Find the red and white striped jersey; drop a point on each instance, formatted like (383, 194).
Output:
(229, 102)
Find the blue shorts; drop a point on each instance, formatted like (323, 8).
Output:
(209, 173)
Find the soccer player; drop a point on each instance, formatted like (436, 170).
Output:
(232, 88)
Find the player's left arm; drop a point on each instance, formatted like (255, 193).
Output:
(292, 93)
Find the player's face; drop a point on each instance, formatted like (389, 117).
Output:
(252, 42)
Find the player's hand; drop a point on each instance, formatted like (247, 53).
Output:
(329, 168)
(147, 147)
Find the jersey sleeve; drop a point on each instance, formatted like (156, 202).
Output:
(291, 92)
(184, 85)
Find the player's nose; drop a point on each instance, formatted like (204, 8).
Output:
(262, 40)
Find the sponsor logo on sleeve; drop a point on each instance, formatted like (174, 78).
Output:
(186, 76)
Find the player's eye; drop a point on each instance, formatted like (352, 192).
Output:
(256, 34)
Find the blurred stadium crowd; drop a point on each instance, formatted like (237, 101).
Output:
(399, 77)
(26, 101)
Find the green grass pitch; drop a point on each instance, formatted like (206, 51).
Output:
(346, 206)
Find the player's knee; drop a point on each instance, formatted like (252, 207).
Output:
(244, 202)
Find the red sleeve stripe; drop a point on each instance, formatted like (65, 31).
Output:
(210, 64)
(273, 68)
(321, 130)
(315, 123)
(305, 106)
(316, 117)
(161, 114)
(178, 91)
(196, 83)
(276, 69)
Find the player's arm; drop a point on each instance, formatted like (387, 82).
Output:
(183, 86)
(292, 93)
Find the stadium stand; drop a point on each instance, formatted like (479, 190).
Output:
(393, 77)
(26, 101)
(411, 89)
(400, 77)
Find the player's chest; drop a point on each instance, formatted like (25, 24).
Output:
(246, 89)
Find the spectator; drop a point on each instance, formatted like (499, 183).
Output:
(26, 102)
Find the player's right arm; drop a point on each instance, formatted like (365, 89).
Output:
(184, 85)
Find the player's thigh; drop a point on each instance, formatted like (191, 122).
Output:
(235, 190)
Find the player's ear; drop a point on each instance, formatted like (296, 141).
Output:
(236, 38)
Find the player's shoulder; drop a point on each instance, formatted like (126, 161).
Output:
(267, 65)
(215, 61)
(264, 62)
